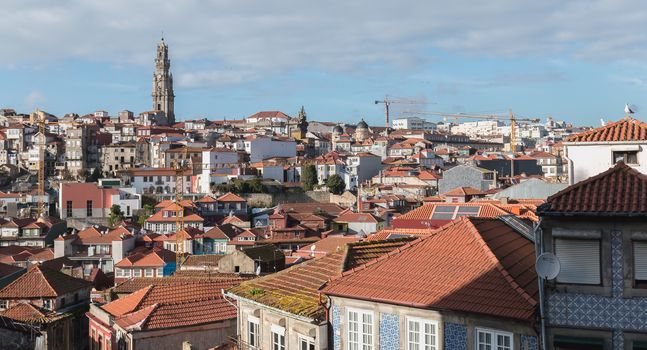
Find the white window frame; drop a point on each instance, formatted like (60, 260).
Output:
(361, 344)
(48, 304)
(421, 343)
(137, 272)
(568, 276)
(639, 249)
(4, 304)
(148, 272)
(252, 320)
(495, 333)
(278, 343)
(160, 271)
(309, 341)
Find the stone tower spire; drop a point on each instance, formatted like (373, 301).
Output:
(163, 96)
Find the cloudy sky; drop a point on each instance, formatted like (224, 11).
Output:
(575, 60)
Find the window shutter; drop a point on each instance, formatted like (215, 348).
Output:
(579, 260)
(640, 261)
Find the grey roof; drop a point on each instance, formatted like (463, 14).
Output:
(531, 189)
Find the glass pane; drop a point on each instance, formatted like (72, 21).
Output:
(442, 216)
(470, 209)
(444, 208)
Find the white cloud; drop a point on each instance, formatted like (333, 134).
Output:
(34, 99)
(256, 38)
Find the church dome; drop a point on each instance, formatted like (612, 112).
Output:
(338, 129)
(362, 124)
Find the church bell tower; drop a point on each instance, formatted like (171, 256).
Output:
(163, 97)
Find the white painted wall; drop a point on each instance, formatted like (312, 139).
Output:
(586, 160)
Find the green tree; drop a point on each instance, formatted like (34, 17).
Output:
(336, 184)
(144, 214)
(116, 215)
(309, 177)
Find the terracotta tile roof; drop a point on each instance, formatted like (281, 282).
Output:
(154, 258)
(92, 235)
(6, 270)
(206, 199)
(421, 217)
(180, 277)
(40, 281)
(626, 129)
(363, 252)
(171, 305)
(357, 217)
(26, 312)
(620, 190)
(329, 244)
(392, 233)
(295, 289)
(471, 265)
(203, 260)
(230, 197)
(463, 191)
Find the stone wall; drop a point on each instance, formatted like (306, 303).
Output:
(10, 339)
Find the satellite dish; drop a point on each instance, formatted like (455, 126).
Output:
(547, 266)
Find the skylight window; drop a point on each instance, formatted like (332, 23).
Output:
(451, 212)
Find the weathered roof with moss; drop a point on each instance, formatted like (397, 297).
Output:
(296, 289)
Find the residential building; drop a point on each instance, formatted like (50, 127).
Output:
(412, 123)
(360, 168)
(165, 221)
(117, 157)
(90, 203)
(156, 180)
(624, 140)
(284, 310)
(595, 228)
(262, 259)
(467, 176)
(38, 233)
(43, 309)
(150, 263)
(165, 315)
(263, 147)
(361, 224)
(471, 292)
(95, 247)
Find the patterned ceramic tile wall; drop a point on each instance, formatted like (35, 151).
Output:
(595, 311)
(389, 332)
(529, 342)
(455, 336)
(336, 326)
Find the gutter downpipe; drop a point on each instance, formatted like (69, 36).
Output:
(539, 249)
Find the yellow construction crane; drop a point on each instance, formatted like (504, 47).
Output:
(180, 170)
(387, 105)
(42, 129)
(510, 117)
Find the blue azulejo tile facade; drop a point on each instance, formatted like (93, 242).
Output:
(336, 326)
(455, 336)
(529, 342)
(389, 332)
(596, 311)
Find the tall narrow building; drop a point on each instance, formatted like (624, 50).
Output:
(163, 97)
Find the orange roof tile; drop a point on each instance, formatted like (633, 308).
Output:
(471, 265)
(626, 129)
(40, 282)
(620, 190)
(230, 197)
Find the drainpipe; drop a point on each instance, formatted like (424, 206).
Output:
(539, 249)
